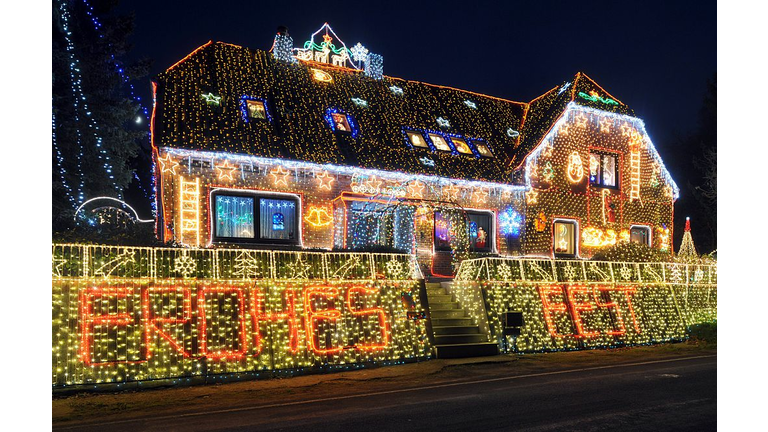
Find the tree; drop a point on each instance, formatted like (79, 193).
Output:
(95, 133)
(702, 186)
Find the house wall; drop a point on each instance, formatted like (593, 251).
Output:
(186, 180)
(559, 171)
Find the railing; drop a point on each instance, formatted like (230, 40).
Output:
(508, 269)
(97, 261)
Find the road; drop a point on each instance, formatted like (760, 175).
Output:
(673, 394)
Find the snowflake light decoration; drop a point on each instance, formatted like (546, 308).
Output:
(625, 272)
(359, 52)
(698, 275)
(184, 265)
(569, 272)
(394, 268)
(504, 271)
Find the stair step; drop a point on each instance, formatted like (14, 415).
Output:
(434, 306)
(447, 330)
(442, 298)
(454, 313)
(436, 291)
(450, 322)
(458, 339)
(433, 285)
(466, 350)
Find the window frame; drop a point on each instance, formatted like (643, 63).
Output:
(257, 238)
(409, 132)
(576, 235)
(466, 143)
(445, 140)
(478, 143)
(648, 230)
(616, 169)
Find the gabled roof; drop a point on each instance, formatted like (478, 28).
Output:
(298, 106)
(542, 112)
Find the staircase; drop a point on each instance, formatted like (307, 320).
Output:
(455, 334)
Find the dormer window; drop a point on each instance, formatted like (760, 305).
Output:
(416, 139)
(341, 122)
(439, 142)
(483, 149)
(461, 146)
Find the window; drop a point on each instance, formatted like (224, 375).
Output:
(483, 149)
(243, 217)
(234, 217)
(479, 230)
(256, 109)
(416, 139)
(461, 146)
(341, 123)
(564, 238)
(603, 170)
(439, 142)
(640, 234)
(277, 219)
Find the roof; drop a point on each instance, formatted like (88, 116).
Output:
(298, 106)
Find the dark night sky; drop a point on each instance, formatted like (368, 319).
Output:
(655, 56)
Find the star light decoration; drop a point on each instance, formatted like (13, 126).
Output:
(280, 175)
(359, 53)
(416, 189)
(443, 122)
(427, 161)
(211, 99)
(360, 102)
(512, 133)
(531, 197)
(299, 269)
(226, 171)
(451, 191)
(480, 195)
(167, 164)
(396, 90)
(325, 180)
(470, 104)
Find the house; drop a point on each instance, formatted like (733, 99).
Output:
(314, 148)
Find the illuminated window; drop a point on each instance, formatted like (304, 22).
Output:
(461, 146)
(483, 149)
(416, 139)
(640, 234)
(234, 217)
(243, 217)
(603, 170)
(341, 123)
(479, 230)
(256, 109)
(564, 238)
(439, 142)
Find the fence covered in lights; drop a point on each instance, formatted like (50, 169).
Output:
(586, 304)
(126, 314)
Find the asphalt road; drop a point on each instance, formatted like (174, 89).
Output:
(677, 394)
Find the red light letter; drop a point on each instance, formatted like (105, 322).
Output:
(203, 331)
(88, 320)
(577, 307)
(155, 324)
(545, 292)
(371, 311)
(312, 316)
(289, 315)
